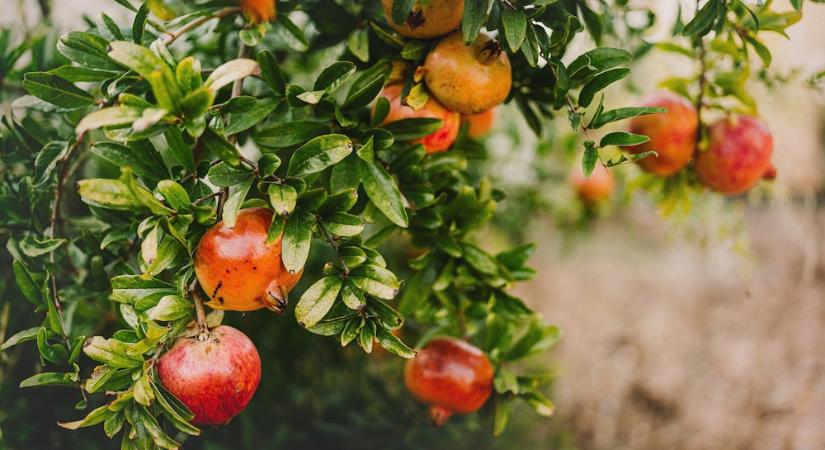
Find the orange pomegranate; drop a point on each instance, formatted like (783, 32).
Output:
(428, 18)
(258, 11)
(238, 270)
(595, 189)
(450, 375)
(468, 79)
(441, 139)
(672, 134)
(738, 155)
(478, 125)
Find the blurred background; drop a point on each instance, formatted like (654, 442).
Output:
(697, 332)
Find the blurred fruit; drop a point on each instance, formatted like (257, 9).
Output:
(479, 124)
(440, 140)
(468, 79)
(238, 270)
(450, 375)
(672, 134)
(215, 378)
(258, 11)
(428, 18)
(738, 155)
(597, 188)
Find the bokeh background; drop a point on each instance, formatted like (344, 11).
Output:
(698, 332)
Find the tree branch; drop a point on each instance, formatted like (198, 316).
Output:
(220, 14)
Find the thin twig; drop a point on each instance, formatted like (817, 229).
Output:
(334, 245)
(220, 14)
(700, 99)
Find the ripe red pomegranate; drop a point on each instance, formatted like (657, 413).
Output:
(238, 270)
(595, 189)
(738, 155)
(441, 139)
(672, 134)
(428, 18)
(215, 378)
(478, 125)
(451, 376)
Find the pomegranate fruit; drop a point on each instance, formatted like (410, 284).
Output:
(441, 139)
(594, 189)
(738, 155)
(672, 134)
(258, 11)
(468, 79)
(450, 375)
(478, 125)
(215, 378)
(428, 18)
(238, 270)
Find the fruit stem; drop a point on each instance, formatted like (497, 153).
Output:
(200, 316)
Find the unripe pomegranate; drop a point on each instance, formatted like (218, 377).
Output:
(468, 79)
(215, 378)
(672, 134)
(594, 189)
(738, 155)
(238, 270)
(441, 139)
(451, 376)
(478, 125)
(428, 18)
(258, 10)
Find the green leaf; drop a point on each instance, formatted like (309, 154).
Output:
(231, 71)
(503, 407)
(188, 74)
(218, 145)
(415, 50)
(479, 259)
(26, 283)
(131, 288)
(179, 149)
(318, 154)
(289, 134)
(600, 82)
(86, 49)
(244, 117)
(614, 115)
(111, 352)
(359, 45)
(514, 23)
(590, 157)
(475, 14)
(360, 96)
(159, 437)
(174, 194)
(392, 344)
(196, 103)
(702, 23)
(353, 297)
(56, 90)
(317, 301)
(136, 57)
(83, 74)
(376, 281)
(296, 243)
(595, 61)
(112, 194)
(401, 11)
(50, 379)
(384, 193)
(343, 224)
(271, 73)
(170, 307)
(143, 160)
(166, 253)
(111, 116)
(413, 128)
(237, 195)
(20, 337)
(95, 417)
(283, 198)
(622, 138)
(139, 24)
(334, 76)
(224, 175)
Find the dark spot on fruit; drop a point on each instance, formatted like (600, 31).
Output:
(217, 288)
(220, 300)
(227, 270)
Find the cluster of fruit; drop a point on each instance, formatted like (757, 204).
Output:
(735, 157)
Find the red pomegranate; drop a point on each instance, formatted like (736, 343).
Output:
(215, 378)
(672, 134)
(441, 139)
(594, 189)
(451, 376)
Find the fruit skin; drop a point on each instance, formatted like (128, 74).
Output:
(440, 140)
(238, 270)
(437, 18)
(468, 79)
(450, 375)
(672, 134)
(738, 155)
(479, 124)
(215, 378)
(258, 10)
(597, 188)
